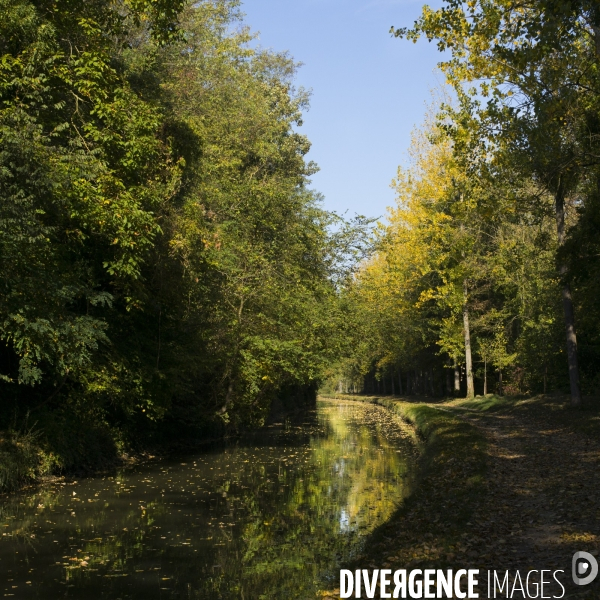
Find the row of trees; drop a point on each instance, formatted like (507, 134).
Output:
(164, 264)
(492, 250)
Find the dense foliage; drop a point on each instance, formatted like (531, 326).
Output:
(165, 269)
(491, 253)
(167, 273)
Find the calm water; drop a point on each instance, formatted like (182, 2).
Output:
(269, 516)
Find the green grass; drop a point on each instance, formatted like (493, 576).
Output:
(489, 403)
(585, 419)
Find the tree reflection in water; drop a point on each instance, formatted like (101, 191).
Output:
(270, 516)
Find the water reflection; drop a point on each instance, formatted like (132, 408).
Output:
(267, 517)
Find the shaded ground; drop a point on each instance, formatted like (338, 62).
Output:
(533, 503)
(543, 501)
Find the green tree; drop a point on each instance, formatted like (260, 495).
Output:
(536, 62)
(166, 269)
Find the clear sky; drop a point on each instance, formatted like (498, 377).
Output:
(369, 89)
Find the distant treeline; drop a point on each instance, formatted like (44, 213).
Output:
(165, 270)
(486, 276)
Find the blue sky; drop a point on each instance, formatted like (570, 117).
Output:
(369, 89)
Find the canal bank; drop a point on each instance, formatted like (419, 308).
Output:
(65, 450)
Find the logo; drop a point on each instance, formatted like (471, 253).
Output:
(585, 568)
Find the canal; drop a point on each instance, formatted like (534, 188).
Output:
(269, 516)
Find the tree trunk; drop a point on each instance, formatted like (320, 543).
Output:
(408, 390)
(545, 377)
(500, 382)
(228, 396)
(467, 330)
(158, 346)
(456, 378)
(485, 377)
(448, 379)
(393, 385)
(400, 382)
(567, 302)
(383, 384)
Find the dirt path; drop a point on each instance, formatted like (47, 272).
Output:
(543, 501)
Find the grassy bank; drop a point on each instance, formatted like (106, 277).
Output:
(557, 406)
(66, 448)
(22, 460)
(51, 443)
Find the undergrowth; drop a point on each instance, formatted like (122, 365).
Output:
(22, 459)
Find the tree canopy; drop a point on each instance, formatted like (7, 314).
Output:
(166, 268)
